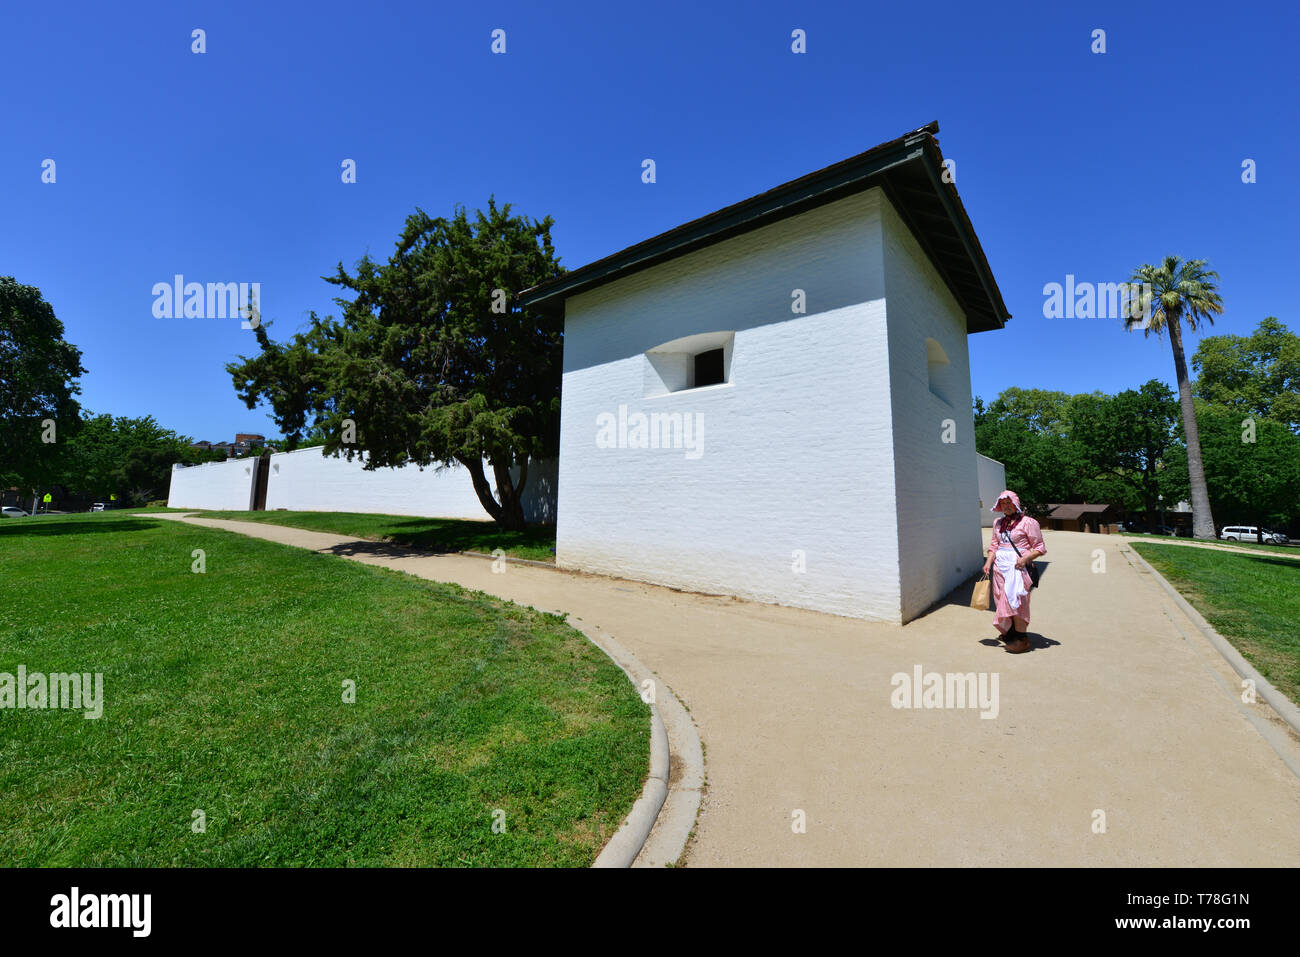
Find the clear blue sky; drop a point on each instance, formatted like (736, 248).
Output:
(226, 166)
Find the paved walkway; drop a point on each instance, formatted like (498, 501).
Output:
(1120, 708)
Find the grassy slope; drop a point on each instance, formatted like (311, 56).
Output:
(224, 693)
(1219, 542)
(1252, 600)
(434, 534)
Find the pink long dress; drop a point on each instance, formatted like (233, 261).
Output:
(1027, 535)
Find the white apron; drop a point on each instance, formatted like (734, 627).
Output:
(1013, 582)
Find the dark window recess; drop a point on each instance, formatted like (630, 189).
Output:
(708, 368)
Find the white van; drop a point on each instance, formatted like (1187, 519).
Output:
(1245, 533)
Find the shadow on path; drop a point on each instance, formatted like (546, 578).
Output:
(961, 595)
(356, 547)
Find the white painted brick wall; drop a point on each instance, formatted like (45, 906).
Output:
(992, 481)
(938, 490)
(224, 485)
(305, 480)
(797, 453)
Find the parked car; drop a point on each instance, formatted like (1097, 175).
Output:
(97, 507)
(10, 511)
(1251, 533)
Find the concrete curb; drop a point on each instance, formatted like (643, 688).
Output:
(1284, 706)
(660, 823)
(621, 849)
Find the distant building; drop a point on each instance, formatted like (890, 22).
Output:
(1082, 518)
(245, 442)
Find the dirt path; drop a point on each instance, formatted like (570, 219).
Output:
(1117, 709)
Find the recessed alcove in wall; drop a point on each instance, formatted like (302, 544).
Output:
(940, 371)
(688, 363)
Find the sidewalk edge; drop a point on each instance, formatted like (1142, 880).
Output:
(1280, 703)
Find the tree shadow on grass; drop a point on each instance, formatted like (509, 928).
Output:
(1159, 560)
(22, 527)
(1288, 563)
(452, 535)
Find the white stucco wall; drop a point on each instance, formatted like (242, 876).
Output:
(993, 480)
(305, 480)
(796, 453)
(938, 487)
(224, 485)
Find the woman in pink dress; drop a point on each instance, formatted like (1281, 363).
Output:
(1011, 580)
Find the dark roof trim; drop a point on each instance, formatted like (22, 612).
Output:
(1077, 511)
(909, 169)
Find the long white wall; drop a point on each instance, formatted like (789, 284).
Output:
(306, 480)
(993, 480)
(795, 468)
(934, 435)
(226, 486)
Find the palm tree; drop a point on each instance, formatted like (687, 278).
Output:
(1171, 293)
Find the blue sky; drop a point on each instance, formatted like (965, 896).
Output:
(225, 166)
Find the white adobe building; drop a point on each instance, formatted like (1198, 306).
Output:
(773, 401)
(992, 482)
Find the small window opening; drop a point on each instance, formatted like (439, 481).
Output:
(708, 368)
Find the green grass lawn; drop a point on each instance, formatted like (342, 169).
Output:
(1252, 600)
(1285, 549)
(223, 693)
(433, 534)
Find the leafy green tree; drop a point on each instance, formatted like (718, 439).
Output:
(1126, 440)
(1255, 375)
(432, 361)
(128, 457)
(1252, 467)
(1182, 291)
(38, 373)
(1042, 411)
(1088, 447)
(1027, 431)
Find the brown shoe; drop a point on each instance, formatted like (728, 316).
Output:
(1018, 645)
